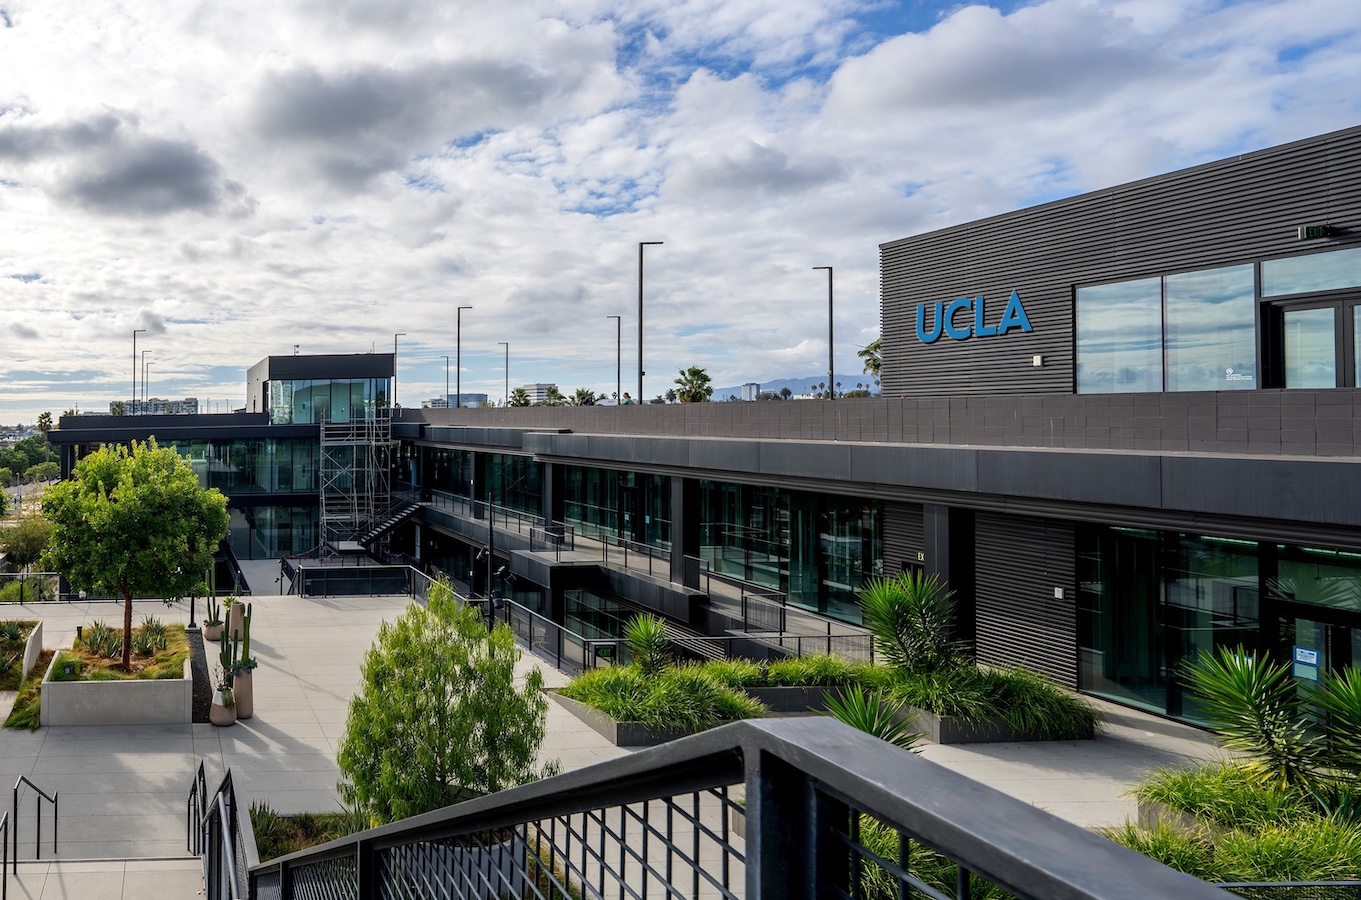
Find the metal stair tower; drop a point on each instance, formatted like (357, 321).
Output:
(354, 471)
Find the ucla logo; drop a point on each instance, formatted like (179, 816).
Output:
(947, 319)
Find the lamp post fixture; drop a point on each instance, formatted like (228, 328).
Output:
(394, 367)
(135, 332)
(145, 370)
(458, 357)
(144, 353)
(506, 344)
(831, 377)
(641, 373)
(446, 380)
(618, 359)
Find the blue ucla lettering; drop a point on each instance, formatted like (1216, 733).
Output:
(1014, 316)
(946, 316)
(929, 337)
(959, 334)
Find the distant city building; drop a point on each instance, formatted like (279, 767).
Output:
(158, 407)
(538, 393)
(750, 391)
(447, 402)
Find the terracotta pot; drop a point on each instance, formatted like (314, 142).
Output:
(220, 713)
(236, 620)
(212, 632)
(244, 690)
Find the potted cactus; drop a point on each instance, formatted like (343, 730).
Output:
(223, 710)
(212, 624)
(235, 610)
(243, 682)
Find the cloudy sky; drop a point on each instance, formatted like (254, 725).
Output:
(240, 178)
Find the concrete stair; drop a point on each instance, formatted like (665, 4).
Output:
(179, 878)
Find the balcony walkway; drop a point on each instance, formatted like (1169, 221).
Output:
(123, 788)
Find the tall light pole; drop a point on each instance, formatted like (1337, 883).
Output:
(144, 353)
(446, 381)
(458, 357)
(135, 332)
(506, 344)
(641, 373)
(145, 370)
(618, 359)
(831, 377)
(394, 366)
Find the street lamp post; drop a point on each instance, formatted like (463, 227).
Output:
(618, 359)
(831, 377)
(394, 366)
(506, 344)
(641, 373)
(446, 380)
(135, 332)
(458, 357)
(145, 370)
(144, 353)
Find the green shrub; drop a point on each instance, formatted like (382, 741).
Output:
(960, 692)
(685, 698)
(277, 835)
(1192, 854)
(1032, 704)
(1308, 850)
(736, 673)
(1228, 793)
(873, 714)
(877, 883)
(647, 640)
(819, 670)
(910, 617)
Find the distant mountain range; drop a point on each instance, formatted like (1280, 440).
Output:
(797, 385)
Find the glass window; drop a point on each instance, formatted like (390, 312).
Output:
(1211, 333)
(1119, 337)
(1356, 341)
(1315, 272)
(1310, 348)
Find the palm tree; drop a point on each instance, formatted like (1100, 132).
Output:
(584, 397)
(785, 393)
(873, 355)
(45, 425)
(554, 397)
(693, 386)
(519, 397)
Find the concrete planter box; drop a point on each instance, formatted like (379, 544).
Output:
(951, 730)
(621, 734)
(793, 700)
(160, 702)
(33, 649)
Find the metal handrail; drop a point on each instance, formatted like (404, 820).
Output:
(4, 865)
(806, 779)
(232, 829)
(195, 806)
(38, 805)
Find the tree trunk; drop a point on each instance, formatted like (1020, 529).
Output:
(127, 629)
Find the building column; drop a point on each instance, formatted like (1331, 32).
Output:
(554, 492)
(684, 530)
(948, 544)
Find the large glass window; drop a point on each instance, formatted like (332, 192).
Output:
(1310, 348)
(515, 482)
(606, 504)
(1211, 335)
(1119, 337)
(1315, 272)
(310, 401)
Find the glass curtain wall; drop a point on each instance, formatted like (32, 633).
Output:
(449, 470)
(605, 504)
(268, 532)
(515, 482)
(818, 550)
(252, 465)
(308, 401)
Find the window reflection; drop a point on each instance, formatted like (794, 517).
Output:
(1119, 337)
(1211, 335)
(1315, 272)
(1310, 349)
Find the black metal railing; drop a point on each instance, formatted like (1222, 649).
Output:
(41, 795)
(1297, 890)
(4, 865)
(225, 842)
(789, 808)
(555, 538)
(195, 804)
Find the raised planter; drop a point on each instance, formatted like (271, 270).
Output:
(793, 700)
(1153, 813)
(621, 734)
(952, 730)
(166, 701)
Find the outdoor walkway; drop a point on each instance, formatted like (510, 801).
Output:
(123, 788)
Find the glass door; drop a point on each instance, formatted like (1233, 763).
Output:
(1311, 348)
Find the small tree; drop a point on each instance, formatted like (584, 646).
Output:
(519, 397)
(24, 543)
(584, 397)
(873, 355)
(134, 521)
(118, 408)
(438, 718)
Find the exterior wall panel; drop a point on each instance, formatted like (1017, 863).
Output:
(1020, 561)
(903, 538)
(1222, 213)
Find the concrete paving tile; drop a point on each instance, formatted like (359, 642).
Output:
(171, 884)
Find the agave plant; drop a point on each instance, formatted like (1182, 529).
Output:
(874, 714)
(647, 640)
(1255, 707)
(910, 616)
(1338, 699)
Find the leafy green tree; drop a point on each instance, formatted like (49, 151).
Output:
(70, 412)
(134, 521)
(24, 543)
(519, 397)
(438, 718)
(873, 355)
(4, 498)
(43, 471)
(6, 475)
(118, 408)
(693, 386)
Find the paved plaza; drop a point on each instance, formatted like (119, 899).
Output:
(123, 788)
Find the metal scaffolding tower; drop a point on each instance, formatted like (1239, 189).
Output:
(355, 492)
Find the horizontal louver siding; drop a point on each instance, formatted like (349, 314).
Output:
(1222, 213)
(902, 535)
(1019, 622)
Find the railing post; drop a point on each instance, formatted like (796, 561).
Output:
(366, 875)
